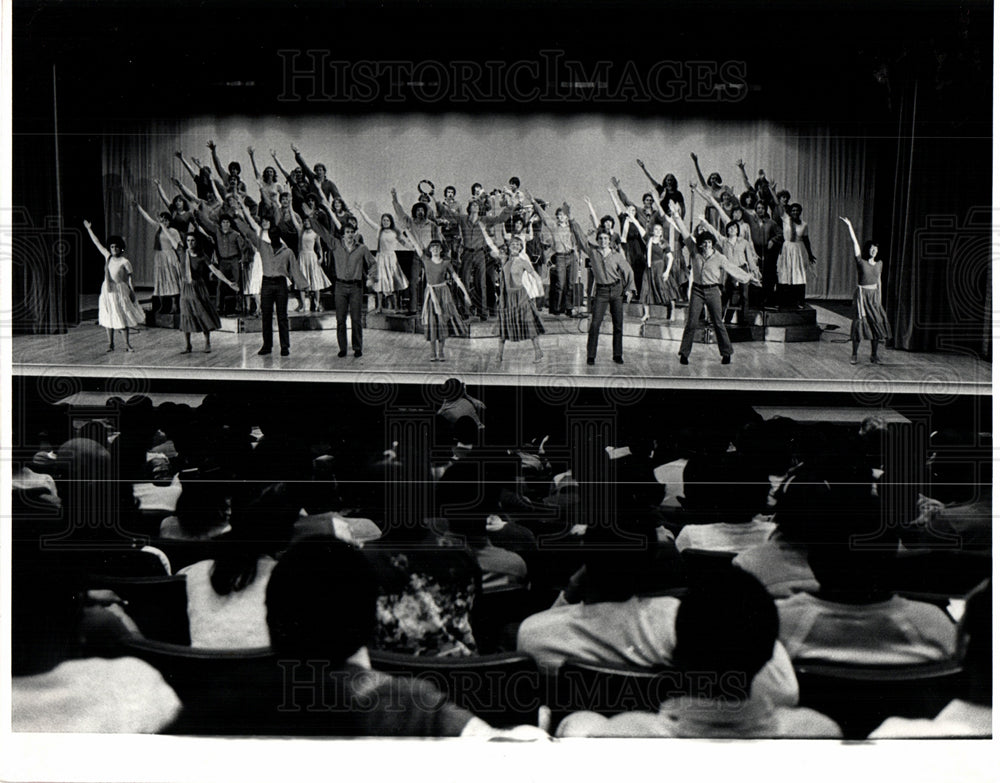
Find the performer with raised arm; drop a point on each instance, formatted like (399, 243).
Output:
(613, 286)
(870, 320)
(740, 252)
(708, 270)
(352, 263)
(519, 320)
(562, 241)
(417, 224)
(666, 190)
(439, 314)
(277, 265)
(270, 188)
(633, 235)
(765, 234)
(202, 176)
(117, 307)
(390, 274)
(197, 312)
(316, 178)
(795, 258)
(181, 216)
(313, 278)
(474, 251)
(230, 175)
(166, 267)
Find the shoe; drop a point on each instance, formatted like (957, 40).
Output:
(727, 359)
(111, 349)
(284, 352)
(876, 360)
(683, 358)
(590, 361)
(342, 353)
(264, 352)
(357, 354)
(618, 360)
(854, 360)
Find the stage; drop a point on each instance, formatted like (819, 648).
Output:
(395, 356)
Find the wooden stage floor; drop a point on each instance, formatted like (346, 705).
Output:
(391, 357)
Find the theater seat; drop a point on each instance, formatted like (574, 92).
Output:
(610, 690)
(502, 689)
(859, 698)
(157, 604)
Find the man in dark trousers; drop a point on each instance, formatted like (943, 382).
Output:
(613, 283)
(352, 263)
(277, 262)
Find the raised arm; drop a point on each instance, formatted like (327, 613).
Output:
(190, 169)
(327, 203)
(714, 231)
(854, 237)
(697, 169)
(414, 241)
(621, 193)
(675, 220)
(145, 215)
(656, 185)
(397, 208)
(743, 170)
(711, 200)
(253, 163)
(216, 162)
(364, 216)
(191, 196)
(218, 195)
(616, 202)
(494, 250)
(285, 174)
(549, 222)
(162, 194)
(97, 243)
(297, 222)
(593, 213)
(307, 172)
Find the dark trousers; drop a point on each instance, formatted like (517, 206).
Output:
(474, 278)
(230, 267)
(560, 285)
(347, 298)
(411, 267)
(710, 295)
(274, 296)
(606, 296)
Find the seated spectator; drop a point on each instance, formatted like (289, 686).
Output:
(851, 619)
(725, 635)
(203, 512)
(53, 689)
(726, 494)
(323, 509)
(613, 625)
(971, 715)
(781, 563)
(226, 595)
(321, 608)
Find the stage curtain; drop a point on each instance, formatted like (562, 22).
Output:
(937, 263)
(556, 158)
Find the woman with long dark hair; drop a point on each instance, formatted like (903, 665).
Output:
(870, 320)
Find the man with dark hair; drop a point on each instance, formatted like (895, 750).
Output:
(709, 268)
(321, 601)
(725, 634)
(352, 263)
(277, 262)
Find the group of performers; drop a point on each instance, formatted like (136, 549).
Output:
(495, 255)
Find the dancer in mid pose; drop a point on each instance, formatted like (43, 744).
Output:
(795, 258)
(117, 307)
(439, 314)
(655, 282)
(166, 267)
(390, 275)
(519, 319)
(310, 252)
(870, 319)
(198, 314)
(709, 268)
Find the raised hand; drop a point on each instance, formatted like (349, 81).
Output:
(179, 155)
(393, 192)
(211, 144)
(294, 148)
(250, 151)
(847, 221)
(615, 182)
(694, 157)
(86, 224)
(739, 163)
(641, 164)
(156, 182)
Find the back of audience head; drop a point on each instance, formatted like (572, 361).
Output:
(321, 601)
(732, 488)
(725, 628)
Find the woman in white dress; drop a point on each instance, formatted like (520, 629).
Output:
(390, 276)
(310, 252)
(117, 307)
(166, 266)
(795, 258)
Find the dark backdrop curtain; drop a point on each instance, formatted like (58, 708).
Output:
(937, 263)
(45, 253)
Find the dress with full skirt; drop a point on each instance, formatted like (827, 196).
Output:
(793, 261)
(312, 271)
(198, 314)
(117, 307)
(654, 290)
(440, 315)
(166, 267)
(519, 318)
(870, 321)
(390, 276)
